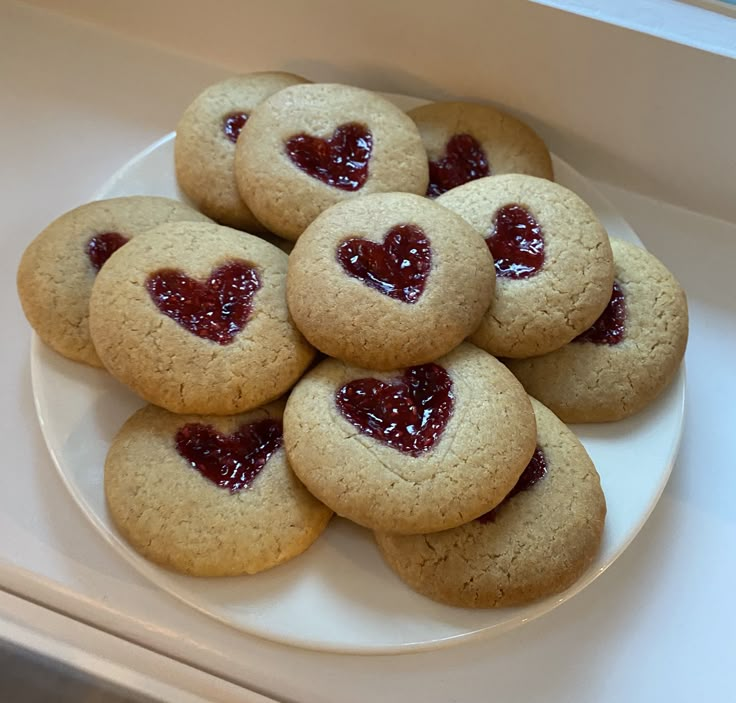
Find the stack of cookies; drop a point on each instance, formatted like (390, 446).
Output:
(384, 369)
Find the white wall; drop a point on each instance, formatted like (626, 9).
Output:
(631, 109)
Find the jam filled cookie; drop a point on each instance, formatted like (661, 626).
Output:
(58, 268)
(204, 148)
(465, 141)
(389, 280)
(311, 146)
(193, 318)
(418, 450)
(553, 261)
(627, 358)
(537, 542)
(209, 496)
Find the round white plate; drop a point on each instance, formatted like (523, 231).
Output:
(339, 596)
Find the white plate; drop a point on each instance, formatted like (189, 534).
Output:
(339, 596)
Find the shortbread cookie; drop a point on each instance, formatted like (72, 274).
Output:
(465, 141)
(417, 450)
(553, 260)
(58, 268)
(537, 542)
(311, 146)
(209, 496)
(389, 280)
(204, 148)
(193, 318)
(627, 358)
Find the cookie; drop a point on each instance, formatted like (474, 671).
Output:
(311, 146)
(193, 318)
(204, 148)
(389, 280)
(553, 261)
(465, 141)
(58, 268)
(627, 358)
(537, 542)
(209, 496)
(418, 450)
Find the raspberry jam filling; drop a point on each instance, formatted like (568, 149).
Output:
(516, 243)
(609, 328)
(232, 124)
(535, 471)
(408, 413)
(215, 309)
(230, 461)
(102, 246)
(398, 267)
(464, 161)
(340, 161)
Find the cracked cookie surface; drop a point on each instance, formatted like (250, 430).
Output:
(543, 311)
(389, 280)
(285, 197)
(468, 467)
(585, 381)
(204, 147)
(537, 542)
(59, 266)
(163, 361)
(170, 513)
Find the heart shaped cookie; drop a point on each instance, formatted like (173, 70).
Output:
(192, 317)
(629, 355)
(434, 274)
(249, 515)
(532, 545)
(308, 147)
(468, 141)
(423, 449)
(553, 262)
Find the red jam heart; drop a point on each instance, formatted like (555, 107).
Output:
(464, 161)
(230, 461)
(102, 246)
(516, 243)
(232, 124)
(609, 327)
(397, 268)
(340, 161)
(215, 309)
(535, 471)
(408, 413)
